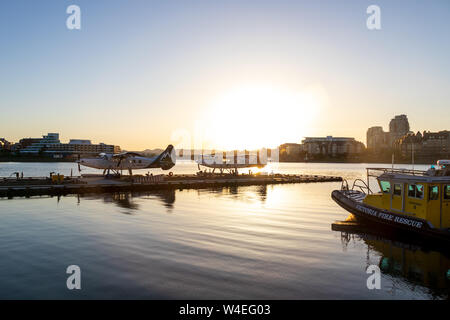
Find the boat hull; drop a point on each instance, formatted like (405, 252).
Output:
(387, 218)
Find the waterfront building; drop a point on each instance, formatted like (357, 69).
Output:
(80, 141)
(34, 145)
(379, 140)
(330, 146)
(26, 142)
(290, 152)
(290, 149)
(428, 144)
(5, 145)
(84, 147)
(50, 144)
(398, 127)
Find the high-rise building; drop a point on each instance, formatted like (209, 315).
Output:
(398, 127)
(378, 139)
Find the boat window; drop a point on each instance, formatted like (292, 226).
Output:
(447, 192)
(397, 189)
(385, 186)
(419, 191)
(411, 190)
(434, 193)
(415, 191)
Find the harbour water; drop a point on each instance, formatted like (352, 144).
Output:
(261, 242)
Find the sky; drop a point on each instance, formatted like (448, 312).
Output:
(220, 74)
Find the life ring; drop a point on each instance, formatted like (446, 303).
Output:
(170, 173)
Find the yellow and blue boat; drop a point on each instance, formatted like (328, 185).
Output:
(411, 200)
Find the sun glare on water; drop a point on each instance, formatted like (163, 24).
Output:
(253, 117)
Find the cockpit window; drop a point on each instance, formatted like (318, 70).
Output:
(447, 192)
(411, 190)
(419, 191)
(397, 189)
(415, 191)
(385, 186)
(434, 193)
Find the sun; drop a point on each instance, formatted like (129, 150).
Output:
(251, 117)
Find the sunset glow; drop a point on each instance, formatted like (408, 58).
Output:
(259, 116)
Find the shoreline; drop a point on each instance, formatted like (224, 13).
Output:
(50, 160)
(360, 161)
(37, 160)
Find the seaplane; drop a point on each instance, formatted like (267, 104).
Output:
(130, 161)
(231, 164)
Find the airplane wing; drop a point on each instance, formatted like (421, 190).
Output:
(125, 155)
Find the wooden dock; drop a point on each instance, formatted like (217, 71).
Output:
(27, 187)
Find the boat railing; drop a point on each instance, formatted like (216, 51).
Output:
(344, 184)
(357, 184)
(362, 185)
(399, 170)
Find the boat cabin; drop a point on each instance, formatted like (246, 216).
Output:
(422, 194)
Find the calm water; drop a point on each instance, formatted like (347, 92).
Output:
(270, 242)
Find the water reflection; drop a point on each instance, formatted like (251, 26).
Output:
(415, 263)
(262, 192)
(129, 200)
(167, 197)
(243, 193)
(122, 200)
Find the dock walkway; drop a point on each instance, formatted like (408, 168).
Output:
(98, 184)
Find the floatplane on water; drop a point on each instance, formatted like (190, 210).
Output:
(411, 200)
(231, 164)
(130, 161)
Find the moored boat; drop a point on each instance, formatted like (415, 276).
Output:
(412, 200)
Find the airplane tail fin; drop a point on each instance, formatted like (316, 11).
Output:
(167, 158)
